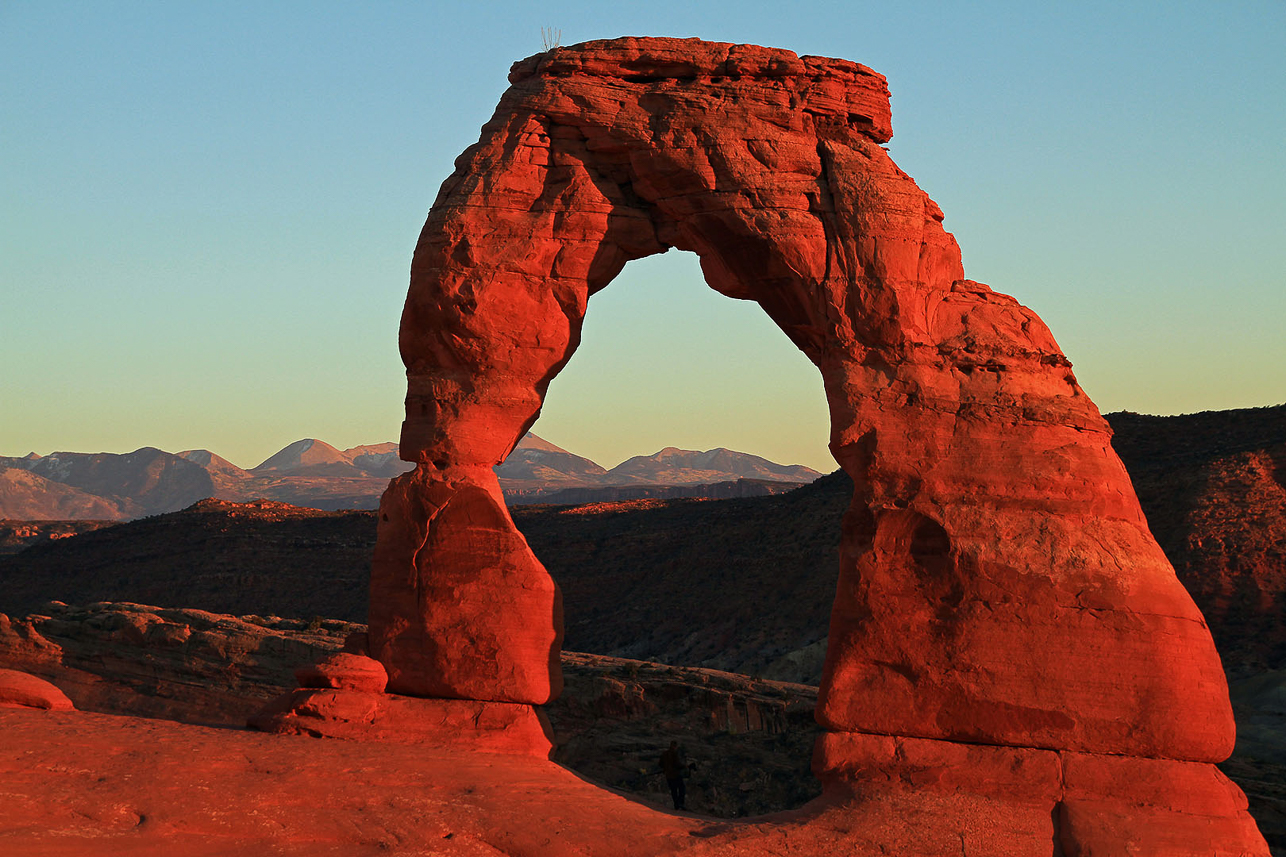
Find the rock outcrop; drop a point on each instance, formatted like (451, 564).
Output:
(23, 690)
(998, 582)
(181, 664)
(751, 740)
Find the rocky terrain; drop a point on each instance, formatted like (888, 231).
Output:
(750, 740)
(740, 585)
(17, 536)
(314, 474)
(628, 571)
(638, 576)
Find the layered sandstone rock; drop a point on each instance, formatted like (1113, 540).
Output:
(146, 661)
(470, 613)
(497, 727)
(344, 671)
(1088, 804)
(23, 690)
(998, 582)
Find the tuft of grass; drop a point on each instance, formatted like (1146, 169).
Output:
(551, 38)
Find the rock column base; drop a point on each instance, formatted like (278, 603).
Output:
(461, 724)
(1016, 800)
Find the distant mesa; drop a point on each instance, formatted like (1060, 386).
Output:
(68, 486)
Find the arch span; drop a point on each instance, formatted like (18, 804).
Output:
(999, 584)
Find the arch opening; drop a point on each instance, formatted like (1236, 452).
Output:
(691, 589)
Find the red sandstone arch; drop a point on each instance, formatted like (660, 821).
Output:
(999, 584)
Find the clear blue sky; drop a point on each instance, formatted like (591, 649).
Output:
(207, 211)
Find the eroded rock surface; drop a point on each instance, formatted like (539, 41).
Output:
(751, 740)
(23, 690)
(998, 582)
(181, 664)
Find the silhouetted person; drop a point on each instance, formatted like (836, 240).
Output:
(672, 767)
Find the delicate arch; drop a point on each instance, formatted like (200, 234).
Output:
(998, 581)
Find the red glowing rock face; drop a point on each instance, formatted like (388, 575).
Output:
(460, 608)
(998, 584)
(356, 715)
(20, 690)
(344, 671)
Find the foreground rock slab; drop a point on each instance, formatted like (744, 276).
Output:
(464, 724)
(79, 783)
(23, 690)
(751, 740)
(1088, 804)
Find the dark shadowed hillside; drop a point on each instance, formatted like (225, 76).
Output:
(260, 557)
(1213, 486)
(727, 584)
(730, 584)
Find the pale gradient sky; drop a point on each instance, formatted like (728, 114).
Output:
(207, 213)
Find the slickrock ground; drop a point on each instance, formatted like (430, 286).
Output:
(77, 783)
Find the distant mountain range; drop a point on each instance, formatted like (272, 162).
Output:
(312, 473)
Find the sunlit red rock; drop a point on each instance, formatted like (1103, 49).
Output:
(1011, 800)
(998, 580)
(344, 671)
(22, 690)
(496, 727)
(460, 608)
(998, 583)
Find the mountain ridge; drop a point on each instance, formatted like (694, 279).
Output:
(312, 473)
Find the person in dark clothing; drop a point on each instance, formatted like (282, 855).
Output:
(672, 767)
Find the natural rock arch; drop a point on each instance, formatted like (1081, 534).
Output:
(998, 582)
